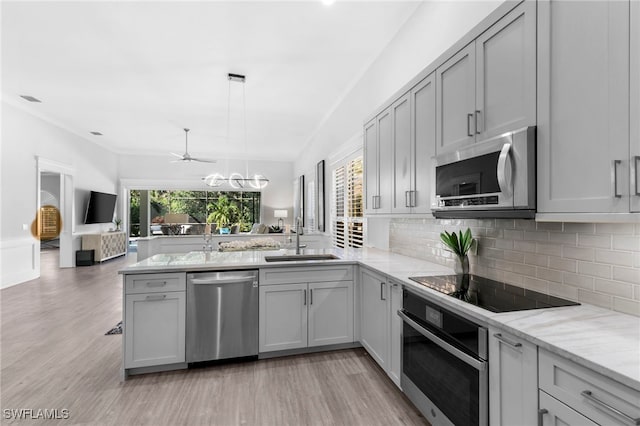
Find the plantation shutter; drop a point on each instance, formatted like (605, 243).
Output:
(347, 210)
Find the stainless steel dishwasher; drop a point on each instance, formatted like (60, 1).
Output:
(222, 315)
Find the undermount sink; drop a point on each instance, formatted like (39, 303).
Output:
(295, 257)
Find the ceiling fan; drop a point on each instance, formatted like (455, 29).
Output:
(186, 157)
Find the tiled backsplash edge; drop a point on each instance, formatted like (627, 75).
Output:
(595, 263)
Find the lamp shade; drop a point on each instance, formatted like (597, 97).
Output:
(280, 213)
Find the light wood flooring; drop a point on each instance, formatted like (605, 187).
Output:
(54, 355)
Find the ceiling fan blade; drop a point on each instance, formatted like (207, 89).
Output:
(203, 160)
(177, 155)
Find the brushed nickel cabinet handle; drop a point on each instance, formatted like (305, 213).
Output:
(636, 160)
(407, 199)
(541, 413)
(477, 125)
(311, 297)
(614, 177)
(156, 297)
(587, 394)
(469, 117)
(382, 291)
(508, 342)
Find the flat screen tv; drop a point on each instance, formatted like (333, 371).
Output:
(100, 208)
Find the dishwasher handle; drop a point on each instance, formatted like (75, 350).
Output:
(218, 281)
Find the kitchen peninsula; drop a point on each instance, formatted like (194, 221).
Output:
(599, 341)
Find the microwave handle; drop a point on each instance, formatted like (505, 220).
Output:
(505, 188)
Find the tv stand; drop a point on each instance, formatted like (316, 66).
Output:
(106, 245)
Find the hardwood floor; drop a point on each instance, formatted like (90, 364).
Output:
(55, 356)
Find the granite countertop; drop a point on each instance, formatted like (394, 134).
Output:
(605, 341)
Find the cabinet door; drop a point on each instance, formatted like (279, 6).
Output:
(456, 99)
(154, 329)
(506, 74)
(395, 333)
(402, 173)
(374, 316)
(555, 413)
(583, 106)
(423, 126)
(283, 317)
(370, 166)
(385, 158)
(635, 106)
(330, 313)
(513, 380)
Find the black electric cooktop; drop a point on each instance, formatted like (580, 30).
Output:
(491, 295)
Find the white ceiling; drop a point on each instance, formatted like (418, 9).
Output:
(139, 72)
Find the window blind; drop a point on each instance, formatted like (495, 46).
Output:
(347, 208)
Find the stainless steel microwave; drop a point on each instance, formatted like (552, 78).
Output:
(491, 179)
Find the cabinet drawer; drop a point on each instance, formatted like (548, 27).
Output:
(310, 274)
(152, 283)
(592, 394)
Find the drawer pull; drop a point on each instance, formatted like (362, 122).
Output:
(160, 297)
(587, 394)
(515, 345)
(156, 284)
(541, 413)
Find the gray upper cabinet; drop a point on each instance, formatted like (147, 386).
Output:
(635, 106)
(489, 87)
(583, 107)
(378, 137)
(455, 85)
(402, 170)
(506, 74)
(371, 166)
(423, 126)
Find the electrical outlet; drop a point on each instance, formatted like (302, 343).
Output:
(25, 227)
(474, 247)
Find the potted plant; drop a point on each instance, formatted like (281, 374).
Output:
(459, 244)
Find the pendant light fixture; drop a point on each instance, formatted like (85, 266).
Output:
(235, 179)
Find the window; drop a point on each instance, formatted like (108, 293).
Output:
(241, 208)
(347, 227)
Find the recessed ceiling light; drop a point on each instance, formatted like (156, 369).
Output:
(96, 133)
(30, 98)
(328, 2)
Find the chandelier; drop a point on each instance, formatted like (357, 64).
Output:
(237, 180)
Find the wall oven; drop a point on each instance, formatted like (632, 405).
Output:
(444, 364)
(494, 178)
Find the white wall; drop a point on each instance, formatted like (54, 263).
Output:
(158, 170)
(432, 29)
(24, 137)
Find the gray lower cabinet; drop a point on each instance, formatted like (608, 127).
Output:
(380, 326)
(583, 107)
(513, 380)
(634, 137)
(154, 320)
(555, 413)
(305, 307)
(572, 394)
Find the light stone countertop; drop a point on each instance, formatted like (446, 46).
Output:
(605, 341)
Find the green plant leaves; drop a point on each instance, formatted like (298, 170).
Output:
(459, 243)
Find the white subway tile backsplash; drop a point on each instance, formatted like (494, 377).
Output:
(626, 306)
(599, 241)
(580, 281)
(591, 263)
(614, 257)
(597, 299)
(615, 228)
(578, 253)
(594, 269)
(630, 275)
(614, 288)
(626, 242)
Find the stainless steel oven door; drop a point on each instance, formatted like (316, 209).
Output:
(449, 386)
(495, 174)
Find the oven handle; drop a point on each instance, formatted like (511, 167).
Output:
(478, 365)
(505, 187)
